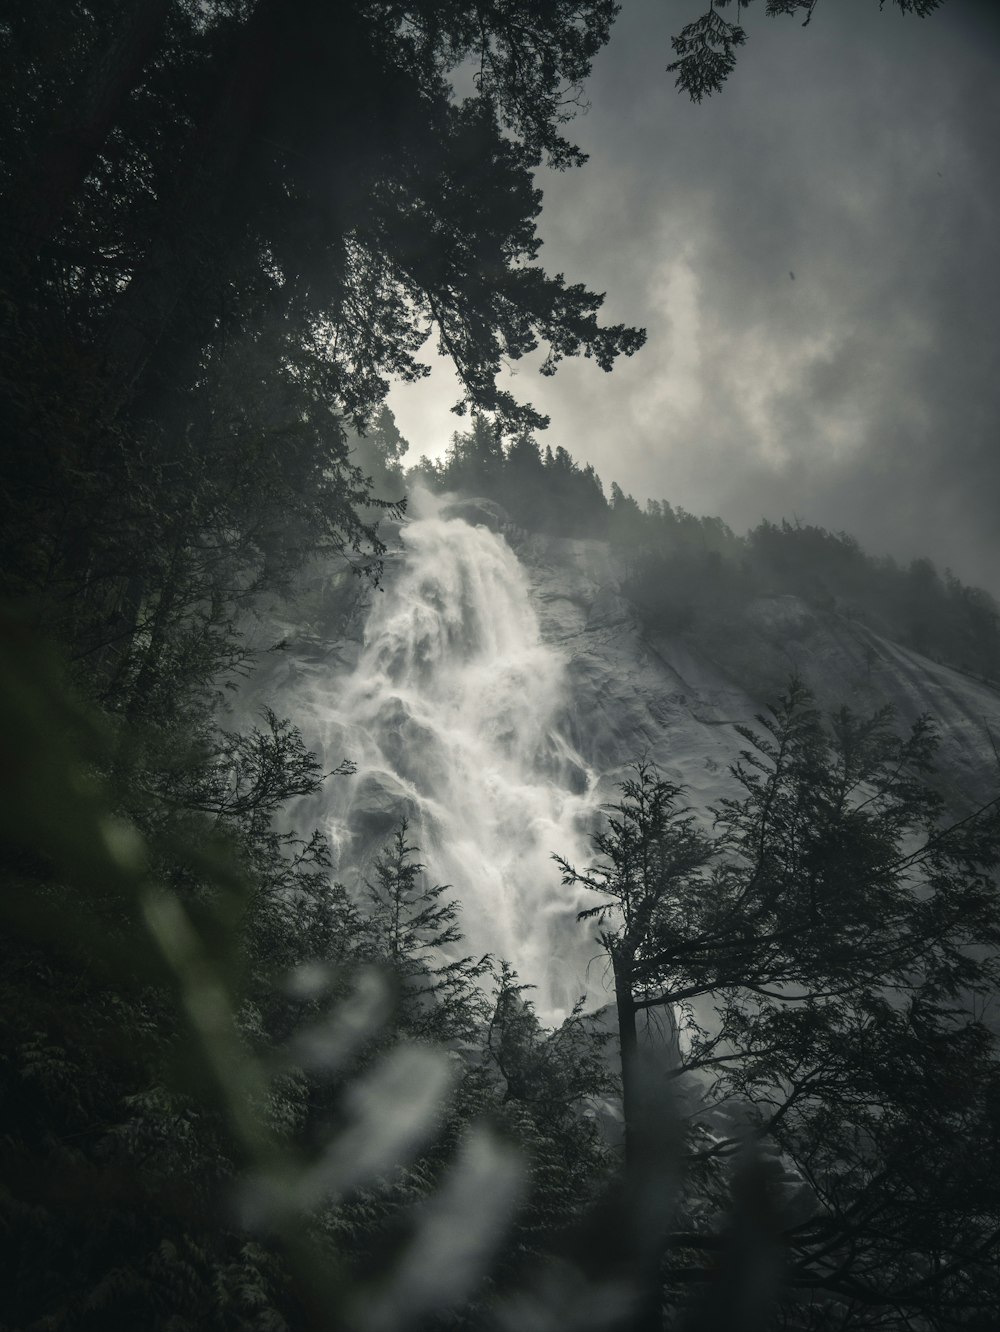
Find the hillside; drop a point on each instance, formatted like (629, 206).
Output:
(500, 685)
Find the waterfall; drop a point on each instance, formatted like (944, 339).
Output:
(452, 715)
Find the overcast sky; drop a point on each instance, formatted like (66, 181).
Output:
(860, 154)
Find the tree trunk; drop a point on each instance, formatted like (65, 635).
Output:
(653, 1150)
(647, 1151)
(81, 127)
(629, 1046)
(113, 659)
(149, 666)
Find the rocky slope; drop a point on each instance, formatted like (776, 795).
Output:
(499, 686)
(675, 697)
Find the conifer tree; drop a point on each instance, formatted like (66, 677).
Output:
(825, 954)
(705, 48)
(413, 927)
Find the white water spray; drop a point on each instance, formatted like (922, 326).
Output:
(452, 716)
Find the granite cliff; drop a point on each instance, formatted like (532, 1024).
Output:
(500, 683)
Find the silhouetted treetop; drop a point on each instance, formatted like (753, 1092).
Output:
(705, 48)
(229, 227)
(304, 165)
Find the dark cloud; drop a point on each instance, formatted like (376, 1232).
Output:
(859, 154)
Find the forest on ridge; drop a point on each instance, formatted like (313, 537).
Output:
(237, 1093)
(683, 568)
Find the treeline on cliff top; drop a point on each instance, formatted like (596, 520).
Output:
(684, 570)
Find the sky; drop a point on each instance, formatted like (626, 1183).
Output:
(862, 155)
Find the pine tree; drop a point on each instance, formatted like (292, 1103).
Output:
(413, 926)
(825, 954)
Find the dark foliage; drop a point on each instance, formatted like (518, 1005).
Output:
(235, 1094)
(705, 48)
(226, 226)
(826, 953)
(221, 1096)
(543, 492)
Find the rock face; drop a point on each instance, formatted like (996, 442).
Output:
(629, 696)
(498, 687)
(477, 513)
(674, 698)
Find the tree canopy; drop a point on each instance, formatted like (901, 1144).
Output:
(286, 169)
(228, 227)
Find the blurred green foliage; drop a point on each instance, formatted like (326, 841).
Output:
(234, 1097)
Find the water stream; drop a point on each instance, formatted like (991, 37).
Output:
(452, 715)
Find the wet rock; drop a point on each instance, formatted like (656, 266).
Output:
(477, 513)
(378, 804)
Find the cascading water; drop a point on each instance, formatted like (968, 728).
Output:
(452, 716)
